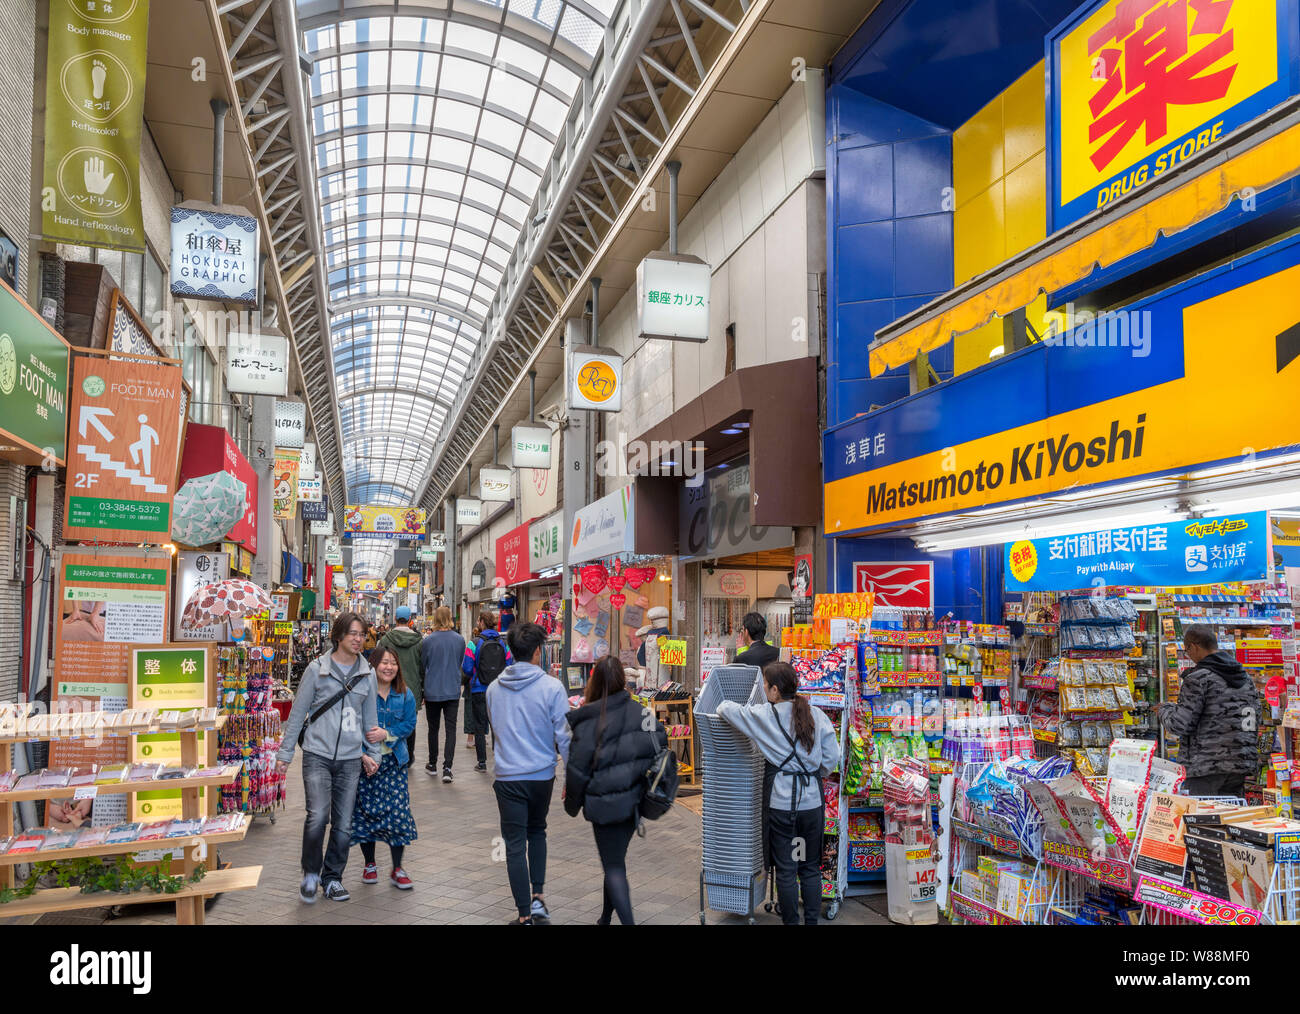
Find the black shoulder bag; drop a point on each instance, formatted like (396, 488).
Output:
(347, 689)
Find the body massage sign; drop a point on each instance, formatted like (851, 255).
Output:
(1089, 408)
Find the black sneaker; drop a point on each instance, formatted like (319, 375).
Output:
(335, 891)
(431, 769)
(516, 921)
(481, 766)
(446, 776)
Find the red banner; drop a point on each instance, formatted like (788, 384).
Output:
(210, 449)
(512, 556)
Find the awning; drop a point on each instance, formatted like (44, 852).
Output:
(1260, 155)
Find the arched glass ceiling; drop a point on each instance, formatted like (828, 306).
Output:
(431, 133)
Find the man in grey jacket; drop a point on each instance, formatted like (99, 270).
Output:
(1216, 719)
(336, 746)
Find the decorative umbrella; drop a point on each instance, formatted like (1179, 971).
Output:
(224, 601)
(206, 508)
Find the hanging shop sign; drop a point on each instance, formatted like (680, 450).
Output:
(595, 380)
(307, 463)
(214, 254)
(494, 485)
(672, 294)
(284, 497)
(539, 487)
(714, 516)
(333, 552)
(428, 555)
(290, 424)
(125, 443)
(604, 528)
(94, 112)
(1105, 402)
(325, 527)
(1286, 542)
(469, 513)
(531, 446)
(211, 449)
(897, 584)
(437, 542)
(290, 569)
(310, 491)
(108, 600)
(546, 543)
(257, 364)
(33, 385)
(1136, 89)
(193, 571)
(1203, 551)
(368, 586)
(512, 554)
(385, 522)
(311, 510)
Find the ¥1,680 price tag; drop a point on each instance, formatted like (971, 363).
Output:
(85, 792)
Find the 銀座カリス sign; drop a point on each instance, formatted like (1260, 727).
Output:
(1069, 414)
(673, 297)
(1171, 554)
(214, 255)
(125, 431)
(1137, 88)
(33, 384)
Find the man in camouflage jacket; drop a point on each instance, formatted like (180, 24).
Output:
(1216, 719)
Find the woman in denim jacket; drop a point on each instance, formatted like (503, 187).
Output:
(383, 810)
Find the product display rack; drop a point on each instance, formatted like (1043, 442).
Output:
(189, 900)
(251, 737)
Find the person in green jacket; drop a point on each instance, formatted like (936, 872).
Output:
(404, 640)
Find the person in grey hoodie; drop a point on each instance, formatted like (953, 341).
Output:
(337, 747)
(798, 742)
(527, 709)
(441, 653)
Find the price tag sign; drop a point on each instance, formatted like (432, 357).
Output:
(85, 792)
(672, 653)
(977, 691)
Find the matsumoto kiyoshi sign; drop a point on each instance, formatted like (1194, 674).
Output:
(1066, 415)
(1176, 553)
(1137, 88)
(214, 255)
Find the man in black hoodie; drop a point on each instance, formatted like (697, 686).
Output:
(1216, 719)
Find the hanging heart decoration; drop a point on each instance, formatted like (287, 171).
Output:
(648, 574)
(616, 581)
(635, 577)
(618, 600)
(594, 578)
(577, 588)
(618, 566)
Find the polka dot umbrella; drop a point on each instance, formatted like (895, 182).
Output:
(224, 601)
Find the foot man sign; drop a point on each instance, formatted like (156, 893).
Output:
(122, 465)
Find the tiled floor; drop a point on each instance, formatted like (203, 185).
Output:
(457, 878)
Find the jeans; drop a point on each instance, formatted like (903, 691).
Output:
(447, 710)
(1233, 784)
(330, 787)
(479, 721)
(797, 854)
(523, 807)
(611, 842)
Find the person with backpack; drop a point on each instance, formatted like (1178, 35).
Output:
(528, 709)
(799, 745)
(441, 653)
(404, 641)
(334, 713)
(605, 775)
(486, 658)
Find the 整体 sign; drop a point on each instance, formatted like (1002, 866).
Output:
(673, 297)
(512, 556)
(604, 528)
(257, 364)
(1201, 551)
(33, 385)
(494, 484)
(290, 424)
(901, 585)
(531, 446)
(1087, 414)
(125, 434)
(214, 255)
(94, 112)
(546, 543)
(1137, 88)
(595, 380)
(284, 498)
(170, 678)
(385, 522)
(469, 512)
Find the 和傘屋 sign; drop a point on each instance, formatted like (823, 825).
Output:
(257, 364)
(214, 255)
(673, 297)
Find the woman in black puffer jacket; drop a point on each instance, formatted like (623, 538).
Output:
(605, 774)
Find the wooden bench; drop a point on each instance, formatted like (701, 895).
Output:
(189, 900)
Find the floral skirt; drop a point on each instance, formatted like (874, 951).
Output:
(383, 808)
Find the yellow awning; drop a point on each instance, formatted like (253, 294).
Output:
(1271, 162)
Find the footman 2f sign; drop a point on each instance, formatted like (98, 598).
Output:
(1139, 86)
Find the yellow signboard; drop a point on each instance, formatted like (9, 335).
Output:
(672, 653)
(390, 522)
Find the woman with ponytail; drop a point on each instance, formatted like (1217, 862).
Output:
(799, 745)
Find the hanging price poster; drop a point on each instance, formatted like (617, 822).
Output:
(672, 652)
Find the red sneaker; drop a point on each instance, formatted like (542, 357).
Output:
(400, 880)
(370, 875)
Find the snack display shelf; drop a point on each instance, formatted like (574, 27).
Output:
(110, 788)
(126, 847)
(1192, 905)
(989, 839)
(103, 732)
(908, 638)
(977, 912)
(1228, 621)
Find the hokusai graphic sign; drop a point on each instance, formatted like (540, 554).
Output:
(214, 255)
